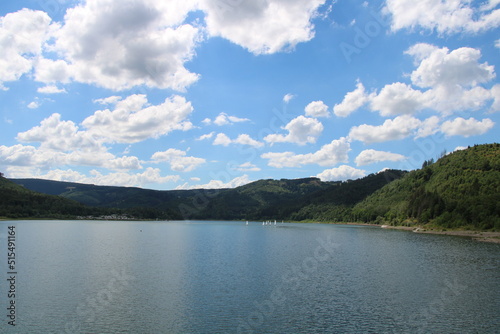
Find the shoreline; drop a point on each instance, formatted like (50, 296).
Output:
(482, 236)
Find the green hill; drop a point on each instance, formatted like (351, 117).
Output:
(260, 199)
(335, 203)
(19, 202)
(462, 189)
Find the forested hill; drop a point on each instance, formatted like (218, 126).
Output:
(460, 189)
(19, 202)
(298, 199)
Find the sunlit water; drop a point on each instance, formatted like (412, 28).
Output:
(229, 277)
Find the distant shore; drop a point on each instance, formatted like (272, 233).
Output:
(484, 236)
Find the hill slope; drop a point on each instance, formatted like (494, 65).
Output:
(335, 202)
(460, 189)
(18, 202)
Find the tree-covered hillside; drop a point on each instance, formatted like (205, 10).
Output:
(460, 189)
(18, 202)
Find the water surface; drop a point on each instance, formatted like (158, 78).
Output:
(229, 277)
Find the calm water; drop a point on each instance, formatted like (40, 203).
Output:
(227, 277)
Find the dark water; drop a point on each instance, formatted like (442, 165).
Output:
(227, 277)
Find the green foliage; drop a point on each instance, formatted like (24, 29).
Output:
(460, 189)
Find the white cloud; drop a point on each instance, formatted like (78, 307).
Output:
(428, 127)
(441, 67)
(398, 128)
(133, 120)
(242, 139)
(149, 176)
(225, 119)
(63, 136)
(398, 99)
(121, 44)
(317, 109)
(245, 139)
(352, 101)
(288, 97)
(45, 158)
(248, 167)
(445, 17)
(218, 184)
(50, 89)
(497, 43)
(178, 160)
(452, 80)
(264, 26)
(108, 100)
(368, 157)
(467, 127)
(22, 35)
(301, 130)
(495, 93)
(206, 136)
(341, 173)
(34, 105)
(52, 71)
(222, 139)
(123, 163)
(329, 155)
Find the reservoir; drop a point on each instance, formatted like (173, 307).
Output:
(234, 277)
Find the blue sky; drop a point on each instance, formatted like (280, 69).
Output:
(186, 94)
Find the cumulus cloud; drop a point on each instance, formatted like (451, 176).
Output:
(22, 35)
(108, 100)
(398, 99)
(149, 176)
(63, 136)
(178, 160)
(392, 129)
(341, 173)
(218, 184)
(245, 139)
(262, 26)
(368, 157)
(467, 127)
(328, 155)
(317, 109)
(242, 139)
(495, 93)
(444, 80)
(224, 119)
(301, 130)
(132, 120)
(352, 101)
(121, 44)
(428, 127)
(206, 136)
(248, 167)
(222, 139)
(51, 89)
(34, 105)
(444, 17)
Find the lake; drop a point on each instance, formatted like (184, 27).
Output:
(230, 277)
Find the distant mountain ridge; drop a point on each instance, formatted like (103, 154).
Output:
(460, 189)
(263, 199)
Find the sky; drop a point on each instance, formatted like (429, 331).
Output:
(183, 94)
